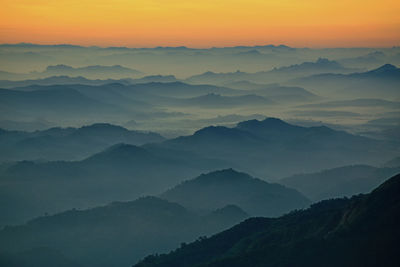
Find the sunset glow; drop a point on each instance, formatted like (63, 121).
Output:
(146, 23)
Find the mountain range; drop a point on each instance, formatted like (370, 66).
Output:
(122, 232)
(94, 71)
(119, 173)
(360, 231)
(68, 143)
(382, 82)
(275, 92)
(90, 72)
(112, 235)
(54, 104)
(274, 148)
(281, 74)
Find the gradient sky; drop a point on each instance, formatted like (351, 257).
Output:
(202, 23)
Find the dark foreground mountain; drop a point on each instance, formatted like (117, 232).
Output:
(339, 182)
(68, 143)
(220, 188)
(112, 235)
(361, 231)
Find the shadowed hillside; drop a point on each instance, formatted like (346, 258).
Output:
(217, 189)
(113, 235)
(360, 231)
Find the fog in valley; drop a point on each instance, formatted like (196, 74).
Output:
(111, 154)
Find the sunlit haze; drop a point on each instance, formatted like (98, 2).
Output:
(148, 23)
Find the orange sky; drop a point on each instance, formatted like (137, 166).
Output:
(201, 23)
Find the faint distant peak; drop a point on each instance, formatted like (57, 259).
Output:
(123, 147)
(102, 126)
(268, 122)
(376, 53)
(281, 46)
(63, 67)
(320, 64)
(213, 129)
(322, 60)
(225, 175)
(231, 210)
(208, 72)
(59, 67)
(211, 95)
(153, 202)
(384, 68)
(325, 62)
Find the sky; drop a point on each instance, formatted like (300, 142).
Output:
(202, 23)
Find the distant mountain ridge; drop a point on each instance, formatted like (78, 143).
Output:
(69, 143)
(220, 188)
(121, 172)
(91, 72)
(276, 148)
(281, 74)
(80, 80)
(382, 82)
(213, 100)
(339, 182)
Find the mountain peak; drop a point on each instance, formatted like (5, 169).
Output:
(122, 152)
(225, 175)
(217, 189)
(231, 210)
(213, 130)
(59, 67)
(102, 126)
(325, 61)
(384, 68)
(273, 123)
(390, 188)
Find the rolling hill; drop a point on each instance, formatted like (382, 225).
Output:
(119, 173)
(111, 235)
(220, 188)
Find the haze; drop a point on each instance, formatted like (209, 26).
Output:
(143, 23)
(199, 133)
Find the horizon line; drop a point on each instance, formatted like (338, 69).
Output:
(199, 48)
